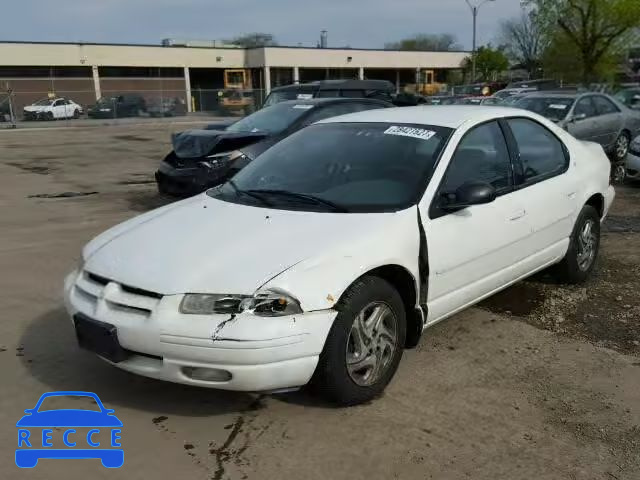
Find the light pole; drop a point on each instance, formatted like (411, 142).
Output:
(474, 11)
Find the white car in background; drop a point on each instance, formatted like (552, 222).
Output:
(330, 253)
(52, 109)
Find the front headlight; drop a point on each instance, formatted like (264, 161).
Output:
(635, 145)
(267, 303)
(222, 159)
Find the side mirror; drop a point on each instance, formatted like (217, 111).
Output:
(467, 195)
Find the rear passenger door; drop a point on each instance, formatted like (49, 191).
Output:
(609, 120)
(583, 123)
(544, 188)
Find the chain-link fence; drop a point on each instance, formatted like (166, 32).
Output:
(27, 99)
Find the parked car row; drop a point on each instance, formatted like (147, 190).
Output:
(114, 106)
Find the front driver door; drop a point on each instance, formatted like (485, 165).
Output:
(472, 251)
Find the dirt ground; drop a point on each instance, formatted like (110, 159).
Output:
(540, 382)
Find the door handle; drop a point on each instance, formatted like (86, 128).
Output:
(518, 215)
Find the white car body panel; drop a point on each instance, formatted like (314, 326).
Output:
(58, 111)
(205, 245)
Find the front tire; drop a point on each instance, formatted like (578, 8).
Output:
(581, 256)
(365, 343)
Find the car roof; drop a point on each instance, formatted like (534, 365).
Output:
(451, 116)
(329, 100)
(342, 84)
(556, 94)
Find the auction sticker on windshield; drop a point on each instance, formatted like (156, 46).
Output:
(303, 107)
(420, 133)
(558, 106)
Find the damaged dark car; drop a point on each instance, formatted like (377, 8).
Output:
(202, 159)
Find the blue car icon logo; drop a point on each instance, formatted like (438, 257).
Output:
(83, 433)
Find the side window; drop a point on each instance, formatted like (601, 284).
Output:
(586, 107)
(58, 103)
(328, 94)
(333, 111)
(541, 153)
(604, 106)
(482, 155)
(353, 93)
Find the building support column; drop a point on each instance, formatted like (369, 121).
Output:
(187, 89)
(267, 81)
(418, 80)
(397, 81)
(361, 73)
(296, 74)
(96, 82)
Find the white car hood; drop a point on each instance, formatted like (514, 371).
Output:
(204, 245)
(37, 108)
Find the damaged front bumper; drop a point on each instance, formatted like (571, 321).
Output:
(189, 180)
(244, 352)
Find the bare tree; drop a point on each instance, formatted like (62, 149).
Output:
(524, 41)
(422, 42)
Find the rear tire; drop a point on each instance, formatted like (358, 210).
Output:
(578, 263)
(365, 343)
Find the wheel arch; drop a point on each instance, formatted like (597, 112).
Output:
(596, 201)
(407, 287)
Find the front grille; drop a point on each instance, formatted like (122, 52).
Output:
(94, 292)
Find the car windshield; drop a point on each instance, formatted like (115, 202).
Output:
(272, 119)
(106, 101)
(44, 102)
(553, 108)
(291, 94)
(358, 167)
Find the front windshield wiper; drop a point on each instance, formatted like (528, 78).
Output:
(303, 196)
(249, 193)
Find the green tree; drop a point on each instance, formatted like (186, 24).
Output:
(490, 62)
(253, 40)
(561, 60)
(422, 42)
(599, 29)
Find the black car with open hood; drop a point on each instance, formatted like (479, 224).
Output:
(202, 159)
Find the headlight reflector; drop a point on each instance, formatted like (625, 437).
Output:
(266, 303)
(206, 304)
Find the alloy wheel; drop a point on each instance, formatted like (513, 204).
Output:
(587, 245)
(372, 343)
(622, 147)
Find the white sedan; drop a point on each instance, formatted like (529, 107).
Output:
(329, 254)
(52, 109)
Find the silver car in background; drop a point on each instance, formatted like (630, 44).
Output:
(594, 117)
(633, 160)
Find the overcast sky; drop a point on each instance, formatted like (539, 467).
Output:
(357, 23)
